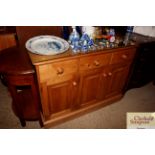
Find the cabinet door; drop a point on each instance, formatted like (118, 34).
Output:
(116, 79)
(59, 98)
(90, 87)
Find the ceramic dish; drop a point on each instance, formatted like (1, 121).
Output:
(47, 45)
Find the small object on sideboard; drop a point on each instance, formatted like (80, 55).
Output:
(74, 39)
(47, 45)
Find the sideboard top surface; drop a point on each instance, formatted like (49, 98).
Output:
(39, 59)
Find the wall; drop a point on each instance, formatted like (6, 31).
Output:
(145, 30)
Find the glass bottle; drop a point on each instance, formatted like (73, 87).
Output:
(128, 35)
(85, 40)
(74, 40)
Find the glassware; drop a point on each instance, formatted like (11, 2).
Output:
(74, 39)
(128, 35)
(84, 46)
(84, 41)
(98, 32)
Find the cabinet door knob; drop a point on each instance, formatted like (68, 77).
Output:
(60, 71)
(96, 63)
(104, 74)
(110, 74)
(124, 56)
(74, 83)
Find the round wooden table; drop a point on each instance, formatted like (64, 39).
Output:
(19, 74)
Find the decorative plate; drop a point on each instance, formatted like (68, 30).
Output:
(47, 45)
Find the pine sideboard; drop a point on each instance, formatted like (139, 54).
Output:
(73, 84)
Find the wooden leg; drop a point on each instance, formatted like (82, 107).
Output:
(41, 122)
(22, 122)
(3, 80)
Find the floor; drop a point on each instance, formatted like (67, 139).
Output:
(109, 117)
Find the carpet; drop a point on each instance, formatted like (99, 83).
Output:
(110, 117)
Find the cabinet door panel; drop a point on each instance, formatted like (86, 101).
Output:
(90, 87)
(59, 98)
(117, 76)
(104, 84)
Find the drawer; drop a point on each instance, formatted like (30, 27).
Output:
(58, 71)
(92, 62)
(122, 56)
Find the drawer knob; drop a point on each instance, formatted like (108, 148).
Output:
(88, 65)
(96, 63)
(104, 74)
(74, 83)
(124, 56)
(110, 74)
(60, 71)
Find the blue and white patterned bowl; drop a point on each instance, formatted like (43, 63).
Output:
(47, 45)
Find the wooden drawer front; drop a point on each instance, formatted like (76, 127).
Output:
(58, 71)
(122, 56)
(92, 62)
